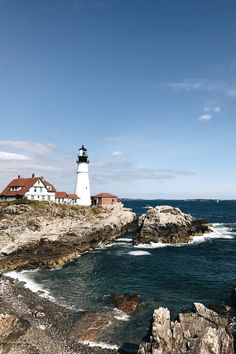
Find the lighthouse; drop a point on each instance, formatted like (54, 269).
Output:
(82, 188)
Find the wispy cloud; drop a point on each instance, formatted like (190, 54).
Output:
(129, 172)
(205, 117)
(209, 109)
(37, 148)
(116, 153)
(13, 156)
(202, 85)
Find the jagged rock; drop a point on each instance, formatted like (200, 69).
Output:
(125, 302)
(48, 235)
(169, 225)
(202, 332)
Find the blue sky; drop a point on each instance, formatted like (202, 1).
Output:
(148, 86)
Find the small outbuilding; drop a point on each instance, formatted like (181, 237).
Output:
(104, 199)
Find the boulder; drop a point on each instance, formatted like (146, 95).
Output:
(169, 225)
(126, 302)
(202, 332)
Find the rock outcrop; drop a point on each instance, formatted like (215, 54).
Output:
(169, 225)
(202, 332)
(50, 235)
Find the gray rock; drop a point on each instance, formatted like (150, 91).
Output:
(203, 332)
(168, 224)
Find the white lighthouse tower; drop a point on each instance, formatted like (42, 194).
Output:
(82, 188)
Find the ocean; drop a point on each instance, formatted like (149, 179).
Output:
(170, 276)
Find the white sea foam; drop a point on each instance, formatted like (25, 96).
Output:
(139, 253)
(219, 231)
(123, 239)
(120, 315)
(100, 344)
(30, 283)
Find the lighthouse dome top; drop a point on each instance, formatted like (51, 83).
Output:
(83, 148)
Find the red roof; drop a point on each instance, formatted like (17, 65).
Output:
(25, 184)
(104, 195)
(61, 195)
(73, 196)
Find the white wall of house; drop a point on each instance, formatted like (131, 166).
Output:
(40, 192)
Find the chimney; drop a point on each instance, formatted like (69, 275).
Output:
(42, 177)
(33, 175)
(18, 176)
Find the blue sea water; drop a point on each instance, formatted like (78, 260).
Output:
(171, 276)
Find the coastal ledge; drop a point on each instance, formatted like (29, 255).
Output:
(45, 235)
(167, 224)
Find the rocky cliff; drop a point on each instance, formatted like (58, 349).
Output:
(202, 332)
(169, 225)
(50, 235)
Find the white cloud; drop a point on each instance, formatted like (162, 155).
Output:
(13, 156)
(116, 153)
(205, 117)
(204, 86)
(217, 109)
(37, 148)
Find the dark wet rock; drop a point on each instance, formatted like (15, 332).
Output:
(202, 332)
(169, 225)
(127, 303)
(233, 297)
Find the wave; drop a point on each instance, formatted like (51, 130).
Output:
(100, 344)
(124, 239)
(30, 284)
(120, 315)
(219, 231)
(24, 276)
(139, 253)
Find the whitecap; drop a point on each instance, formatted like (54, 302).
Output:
(100, 344)
(139, 253)
(153, 245)
(220, 231)
(120, 315)
(30, 283)
(124, 239)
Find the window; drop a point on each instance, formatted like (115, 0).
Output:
(38, 181)
(43, 197)
(35, 190)
(49, 197)
(41, 189)
(32, 197)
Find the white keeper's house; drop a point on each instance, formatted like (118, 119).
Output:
(36, 188)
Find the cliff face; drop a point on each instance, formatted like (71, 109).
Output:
(202, 332)
(169, 225)
(50, 235)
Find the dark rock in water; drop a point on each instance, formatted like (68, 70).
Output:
(125, 302)
(202, 332)
(233, 297)
(169, 225)
(128, 348)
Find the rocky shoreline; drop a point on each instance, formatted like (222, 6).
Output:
(43, 235)
(37, 235)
